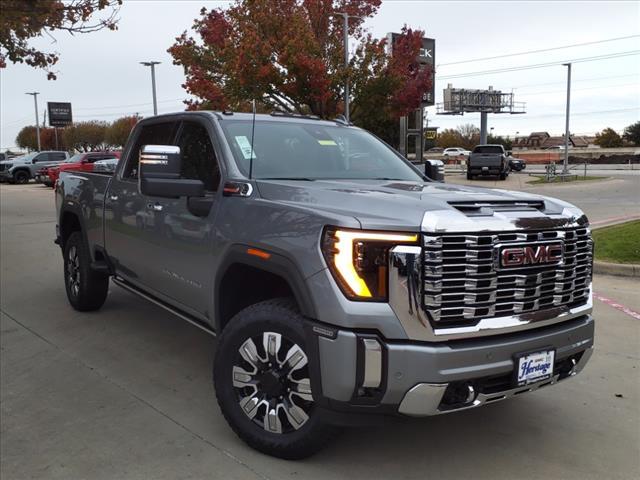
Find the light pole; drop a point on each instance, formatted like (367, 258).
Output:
(565, 168)
(35, 102)
(345, 26)
(153, 64)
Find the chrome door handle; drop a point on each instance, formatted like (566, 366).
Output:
(155, 206)
(113, 198)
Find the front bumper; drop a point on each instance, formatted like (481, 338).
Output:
(421, 379)
(5, 175)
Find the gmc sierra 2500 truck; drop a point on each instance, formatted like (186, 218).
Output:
(342, 283)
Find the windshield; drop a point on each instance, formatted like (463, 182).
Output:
(488, 149)
(25, 158)
(304, 151)
(75, 159)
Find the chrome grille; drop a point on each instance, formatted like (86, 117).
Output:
(461, 284)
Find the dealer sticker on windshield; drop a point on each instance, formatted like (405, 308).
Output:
(534, 367)
(245, 147)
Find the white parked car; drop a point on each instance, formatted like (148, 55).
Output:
(455, 152)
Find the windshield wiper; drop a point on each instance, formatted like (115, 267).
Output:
(302, 179)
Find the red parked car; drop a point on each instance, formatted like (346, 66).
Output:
(82, 162)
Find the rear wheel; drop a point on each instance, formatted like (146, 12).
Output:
(21, 177)
(86, 289)
(503, 176)
(262, 381)
(469, 176)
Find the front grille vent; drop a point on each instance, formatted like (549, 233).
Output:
(476, 209)
(461, 284)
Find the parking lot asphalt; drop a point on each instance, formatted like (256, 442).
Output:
(126, 392)
(617, 195)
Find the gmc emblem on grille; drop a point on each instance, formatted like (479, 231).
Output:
(522, 256)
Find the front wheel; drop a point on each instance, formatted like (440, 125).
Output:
(86, 289)
(262, 381)
(21, 177)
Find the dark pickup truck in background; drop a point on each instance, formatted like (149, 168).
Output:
(488, 160)
(341, 281)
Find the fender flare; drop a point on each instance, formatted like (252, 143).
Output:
(76, 212)
(276, 264)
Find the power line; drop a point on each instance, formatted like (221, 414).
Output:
(579, 89)
(104, 107)
(541, 65)
(578, 80)
(529, 52)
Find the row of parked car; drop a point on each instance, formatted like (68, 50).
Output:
(45, 167)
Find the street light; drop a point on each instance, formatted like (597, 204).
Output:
(35, 102)
(345, 19)
(153, 64)
(565, 168)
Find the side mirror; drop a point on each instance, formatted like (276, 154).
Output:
(159, 174)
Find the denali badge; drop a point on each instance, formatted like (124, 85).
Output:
(521, 256)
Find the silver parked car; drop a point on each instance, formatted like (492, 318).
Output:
(22, 169)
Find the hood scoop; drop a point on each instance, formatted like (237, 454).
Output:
(488, 208)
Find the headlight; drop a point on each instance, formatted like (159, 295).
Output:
(358, 260)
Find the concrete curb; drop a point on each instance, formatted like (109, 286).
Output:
(617, 269)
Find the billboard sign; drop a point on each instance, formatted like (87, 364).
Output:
(59, 114)
(426, 59)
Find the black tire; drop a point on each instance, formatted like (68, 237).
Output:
(469, 176)
(503, 176)
(278, 316)
(21, 177)
(86, 289)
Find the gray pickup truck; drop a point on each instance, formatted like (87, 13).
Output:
(22, 169)
(488, 160)
(343, 285)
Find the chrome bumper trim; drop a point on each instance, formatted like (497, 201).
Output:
(372, 363)
(404, 299)
(424, 399)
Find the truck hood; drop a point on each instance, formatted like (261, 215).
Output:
(401, 205)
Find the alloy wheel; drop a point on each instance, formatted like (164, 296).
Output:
(271, 380)
(73, 270)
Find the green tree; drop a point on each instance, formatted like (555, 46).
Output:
(449, 138)
(118, 132)
(23, 20)
(506, 142)
(288, 55)
(86, 136)
(632, 134)
(608, 138)
(27, 138)
(469, 135)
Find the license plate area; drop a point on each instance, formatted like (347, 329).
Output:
(534, 366)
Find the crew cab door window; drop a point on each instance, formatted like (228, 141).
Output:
(156, 134)
(57, 157)
(199, 160)
(43, 157)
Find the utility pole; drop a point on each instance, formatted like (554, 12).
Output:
(35, 102)
(345, 27)
(153, 64)
(565, 168)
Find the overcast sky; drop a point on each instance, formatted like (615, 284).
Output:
(100, 75)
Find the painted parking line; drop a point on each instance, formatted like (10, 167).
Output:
(617, 306)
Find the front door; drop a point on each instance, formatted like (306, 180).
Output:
(160, 243)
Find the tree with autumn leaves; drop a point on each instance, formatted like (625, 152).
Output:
(288, 55)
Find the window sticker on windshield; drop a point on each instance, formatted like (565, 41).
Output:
(326, 142)
(245, 146)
